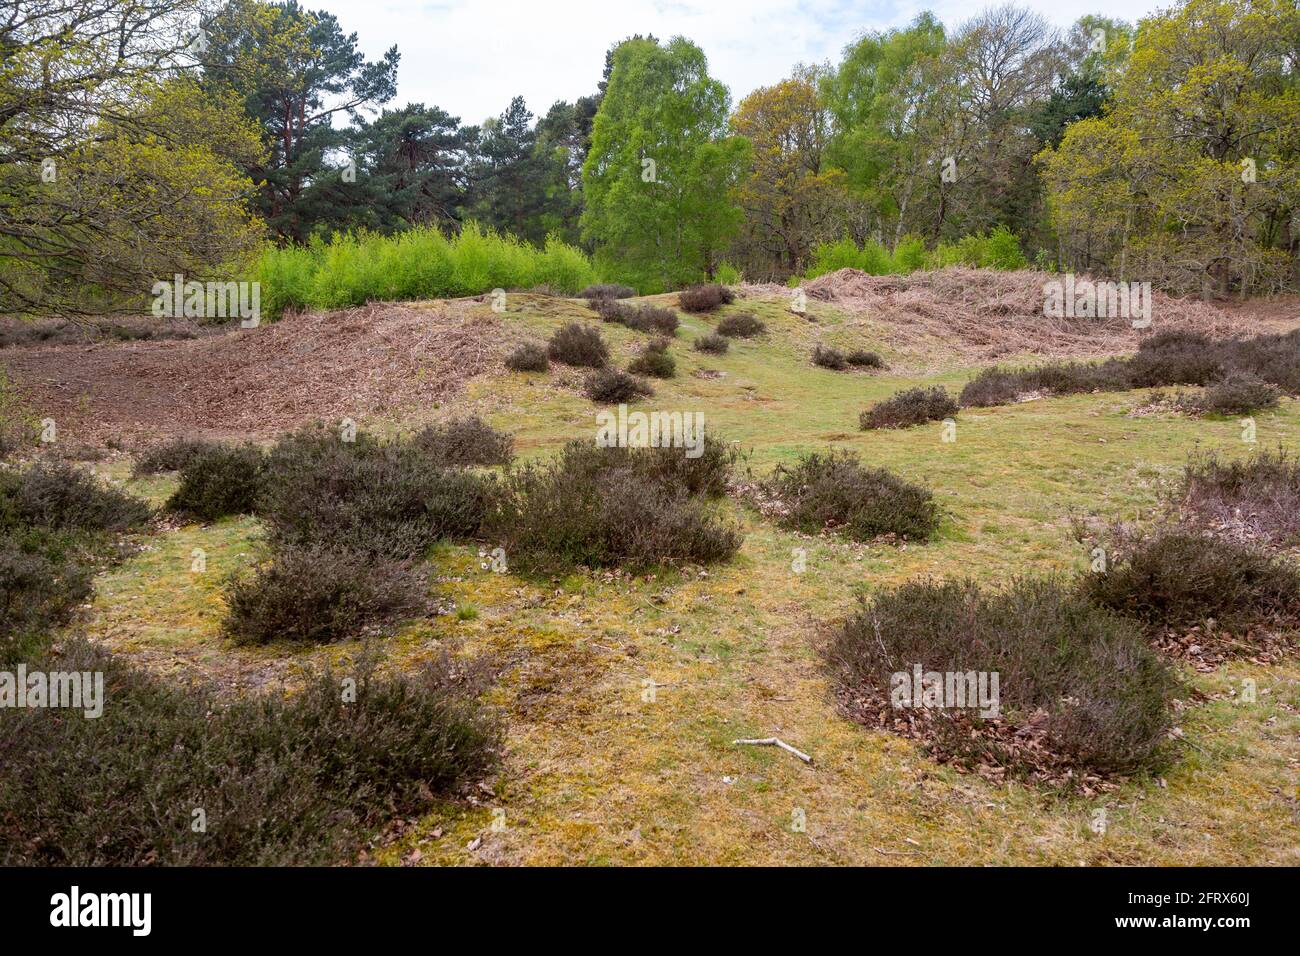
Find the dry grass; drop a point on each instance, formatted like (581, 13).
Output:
(989, 314)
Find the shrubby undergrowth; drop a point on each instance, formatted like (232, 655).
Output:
(280, 780)
(422, 263)
(617, 507)
(834, 492)
(1080, 691)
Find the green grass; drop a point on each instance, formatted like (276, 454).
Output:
(598, 775)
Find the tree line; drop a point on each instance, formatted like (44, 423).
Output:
(141, 139)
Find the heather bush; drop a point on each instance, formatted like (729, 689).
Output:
(1261, 493)
(616, 507)
(1239, 393)
(62, 497)
(579, 345)
(712, 344)
(465, 441)
(910, 407)
(1079, 689)
(171, 455)
(834, 492)
(529, 357)
(612, 386)
(303, 779)
(654, 361)
(830, 358)
(220, 480)
(384, 498)
(318, 594)
(651, 319)
(744, 325)
(704, 298)
(1173, 578)
(861, 358)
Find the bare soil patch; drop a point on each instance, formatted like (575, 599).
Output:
(375, 360)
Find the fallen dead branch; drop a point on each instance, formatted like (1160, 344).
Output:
(774, 742)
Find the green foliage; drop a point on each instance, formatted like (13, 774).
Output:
(661, 172)
(422, 263)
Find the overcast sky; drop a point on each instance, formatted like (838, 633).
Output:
(471, 56)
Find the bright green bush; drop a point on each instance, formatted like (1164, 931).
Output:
(351, 269)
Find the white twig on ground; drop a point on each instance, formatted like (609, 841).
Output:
(774, 742)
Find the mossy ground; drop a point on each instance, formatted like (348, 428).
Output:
(603, 768)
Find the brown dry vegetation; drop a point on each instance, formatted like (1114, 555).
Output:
(987, 314)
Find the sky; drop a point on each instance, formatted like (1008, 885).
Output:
(471, 56)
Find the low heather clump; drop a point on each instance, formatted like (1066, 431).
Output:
(834, 492)
(601, 507)
(318, 594)
(42, 582)
(1173, 579)
(466, 441)
(655, 361)
(303, 779)
(1259, 495)
(712, 344)
(828, 357)
(650, 319)
(1001, 386)
(1239, 393)
(704, 298)
(171, 456)
(1079, 690)
(744, 325)
(612, 386)
(579, 345)
(62, 497)
(220, 480)
(528, 357)
(860, 358)
(912, 406)
(1236, 371)
(388, 498)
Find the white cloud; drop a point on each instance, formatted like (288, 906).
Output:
(471, 56)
